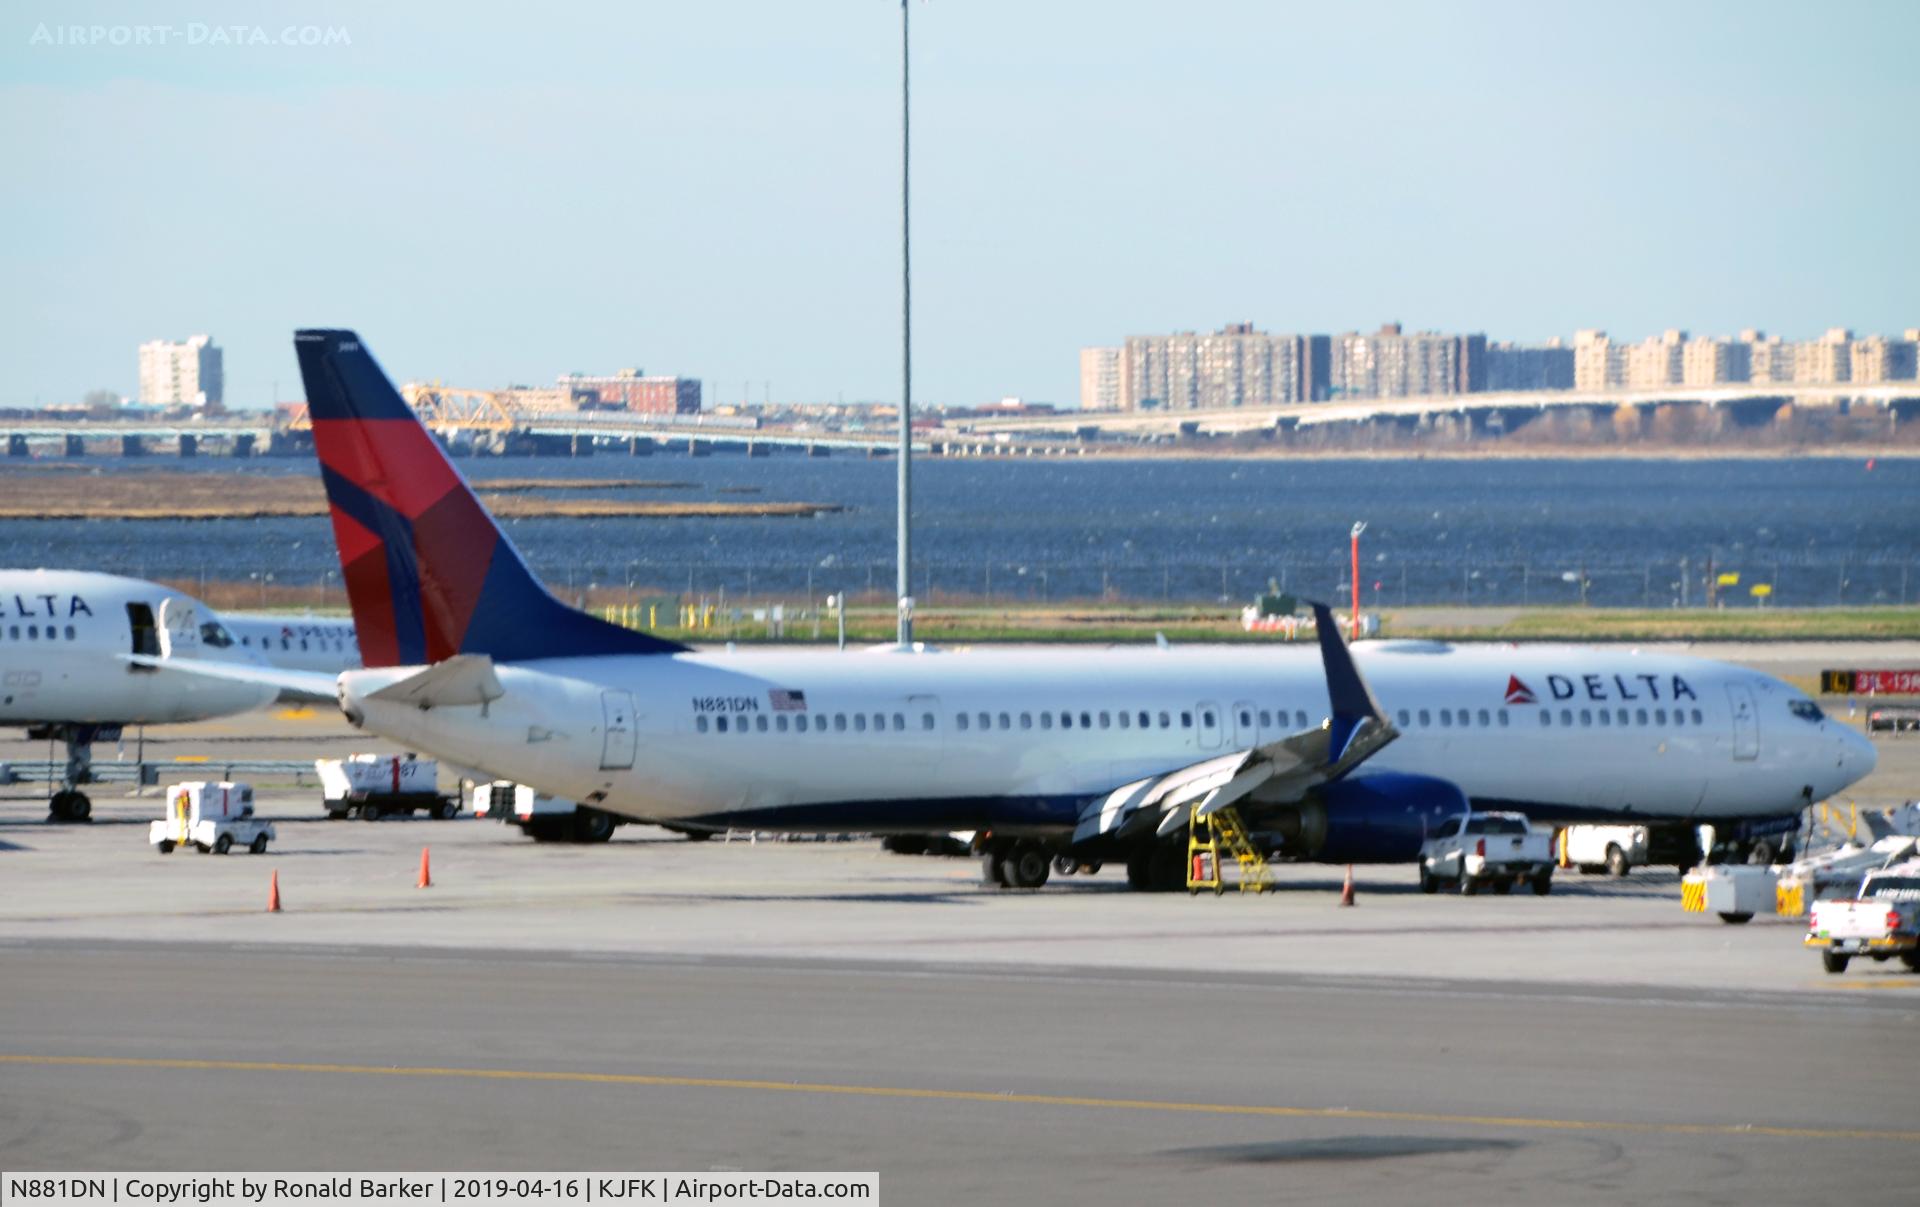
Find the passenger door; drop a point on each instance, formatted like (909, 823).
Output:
(1746, 722)
(617, 743)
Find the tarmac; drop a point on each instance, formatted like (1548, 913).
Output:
(654, 1003)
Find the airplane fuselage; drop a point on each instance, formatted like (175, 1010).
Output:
(1022, 739)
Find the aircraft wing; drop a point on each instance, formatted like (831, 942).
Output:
(317, 686)
(1279, 772)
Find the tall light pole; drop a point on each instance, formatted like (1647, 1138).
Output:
(904, 595)
(1353, 634)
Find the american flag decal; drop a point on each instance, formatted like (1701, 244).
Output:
(786, 701)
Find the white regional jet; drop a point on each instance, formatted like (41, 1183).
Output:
(1097, 754)
(67, 642)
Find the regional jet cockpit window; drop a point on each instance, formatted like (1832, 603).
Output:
(214, 634)
(1806, 710)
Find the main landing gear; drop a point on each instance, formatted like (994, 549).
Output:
(1019, 864)
(68, 803)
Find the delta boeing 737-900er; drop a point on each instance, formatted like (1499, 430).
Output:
(1095, 755)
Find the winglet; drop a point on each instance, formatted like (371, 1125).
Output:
(1352, 702)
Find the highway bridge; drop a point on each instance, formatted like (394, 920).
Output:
(1486, 411)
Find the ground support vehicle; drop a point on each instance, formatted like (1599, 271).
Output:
(1487, 850)
(372, 786)
(1735, 891)
(541, 817)
(212, 817)
(1880, 922)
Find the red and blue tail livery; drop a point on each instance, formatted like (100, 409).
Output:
(428, 572)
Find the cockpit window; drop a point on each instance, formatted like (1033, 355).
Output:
(213, 633)
(1806, 710)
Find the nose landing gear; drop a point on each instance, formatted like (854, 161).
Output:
(68, 803)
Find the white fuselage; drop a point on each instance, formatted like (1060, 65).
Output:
(301, 643)
(65, 640)
(1022, 738)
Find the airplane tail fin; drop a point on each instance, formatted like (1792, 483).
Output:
(429, 573)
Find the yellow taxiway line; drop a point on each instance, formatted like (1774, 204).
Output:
(982, 1096)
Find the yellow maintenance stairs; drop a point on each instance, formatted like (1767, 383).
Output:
(1207, 836)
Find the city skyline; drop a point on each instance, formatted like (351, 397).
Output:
(726, 214)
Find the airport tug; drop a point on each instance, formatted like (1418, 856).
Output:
(210, 817)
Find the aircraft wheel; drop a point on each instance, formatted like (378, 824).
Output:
(592, 825)
(993, 870)
(1833, 961)
(1028, 866)
(259, 844)
(166, 846)
(1617, 864)
(223, 844)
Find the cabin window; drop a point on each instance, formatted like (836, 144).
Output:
(960, 720)
(71, 635)
(1146, 720)
(1697, 718)
(840, 722)
(1586, 717)
(33, 632)
(1166, 722)
(1446, 718)
(14, 632)
(1104, 719)
(1659, 716)
(1679, 718)
(926, 720)
(1026, 720)
(1086, 720)
(1405, 720)
(720, 723)
(760, 723)
(1639, 716)
(1046, 720)
(1006, 722)
(1246, 719)
(1566, 716)
(1266, 718)
(1425, 717)
(1186, 720)
(986, 720)
(1546, 718)
(700, 723)
(1206, 718)
(860, 722)
(1502, 714)
(1066, 720)
(800, 723)
(1606, 718)
(303, 643)
(1486, 718)
(780, 722)
(1126, 719)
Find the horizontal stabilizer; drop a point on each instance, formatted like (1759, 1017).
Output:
(463, 679)
(302, 685)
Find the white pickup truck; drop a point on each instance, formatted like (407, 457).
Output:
(1881, 922)
(1497, 850)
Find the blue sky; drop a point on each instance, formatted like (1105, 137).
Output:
(496, 193)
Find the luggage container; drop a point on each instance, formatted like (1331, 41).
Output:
(374, 785)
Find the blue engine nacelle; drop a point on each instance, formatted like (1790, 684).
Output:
(1379, 818)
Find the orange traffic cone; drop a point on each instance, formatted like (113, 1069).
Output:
(426, 876)
(1346, 890)
(273, 893)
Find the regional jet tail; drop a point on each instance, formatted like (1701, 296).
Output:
(1090, 754)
